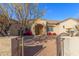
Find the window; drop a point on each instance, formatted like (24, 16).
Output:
(49, 29)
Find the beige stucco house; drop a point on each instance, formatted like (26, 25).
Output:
(68, 24)
(40, 26)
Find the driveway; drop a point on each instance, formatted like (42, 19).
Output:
(50, 48)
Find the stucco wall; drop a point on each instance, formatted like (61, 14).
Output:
(70, 46)
(67, 24)
(39, 21)
(8, 46)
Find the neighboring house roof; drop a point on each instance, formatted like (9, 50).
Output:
(26, 21)
(4, 19)
(13, 21)
(68, 19)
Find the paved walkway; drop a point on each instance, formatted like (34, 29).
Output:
(50, 49)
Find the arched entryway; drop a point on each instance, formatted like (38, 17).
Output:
(38, 29)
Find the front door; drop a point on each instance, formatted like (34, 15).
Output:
(38, 29)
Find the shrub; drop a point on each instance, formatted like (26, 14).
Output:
(54, 34)
(28, 32)
(49, 33)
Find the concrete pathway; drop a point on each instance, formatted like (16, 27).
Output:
(50, 49)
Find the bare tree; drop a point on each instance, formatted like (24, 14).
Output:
(23, 11)
(36, 11)
(7, 11)
(3, 17)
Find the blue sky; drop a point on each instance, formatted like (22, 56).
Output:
(60, 11)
